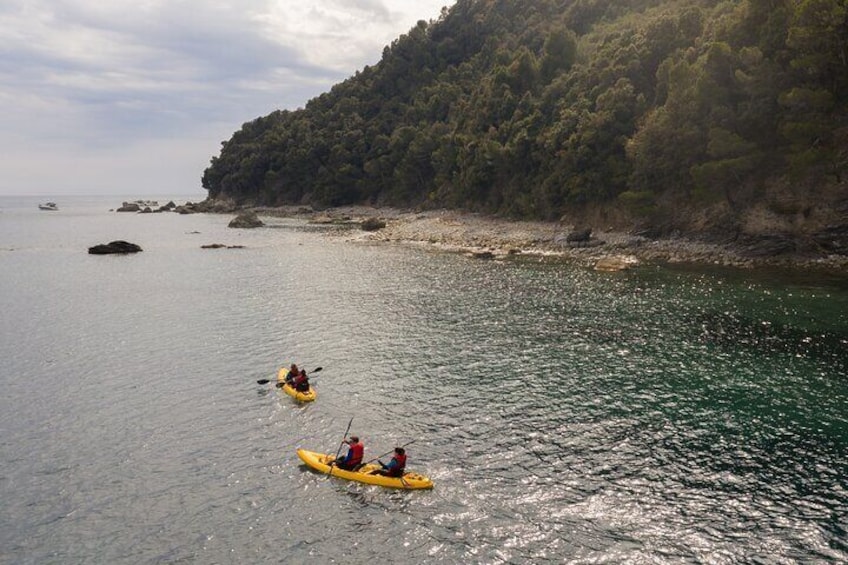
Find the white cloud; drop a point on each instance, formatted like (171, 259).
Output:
(92, 90)
(338, 35)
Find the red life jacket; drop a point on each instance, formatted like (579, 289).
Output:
(356, 451)
(400, 465)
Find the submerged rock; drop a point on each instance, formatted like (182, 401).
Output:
(618, 263)
(118, 246)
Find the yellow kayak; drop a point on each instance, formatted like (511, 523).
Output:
(321, 462)
(307, 396)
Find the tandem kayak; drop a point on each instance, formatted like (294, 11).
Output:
(321, 462)
(307, 396)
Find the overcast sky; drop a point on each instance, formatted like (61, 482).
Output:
(134, 97)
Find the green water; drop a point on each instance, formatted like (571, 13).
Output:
(659, 415)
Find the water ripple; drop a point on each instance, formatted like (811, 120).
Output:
(564, 415)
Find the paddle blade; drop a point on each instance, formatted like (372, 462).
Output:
(280, 384)
(263, 382)
(315, 370)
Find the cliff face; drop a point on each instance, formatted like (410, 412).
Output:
(723, 119)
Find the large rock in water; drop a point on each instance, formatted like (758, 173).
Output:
(114, 247)
(246, 220)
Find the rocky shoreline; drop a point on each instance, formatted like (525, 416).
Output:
(488, 237)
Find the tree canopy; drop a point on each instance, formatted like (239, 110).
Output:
(530, 108)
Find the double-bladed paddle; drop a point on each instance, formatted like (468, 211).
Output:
(281, 384)
(388, 452)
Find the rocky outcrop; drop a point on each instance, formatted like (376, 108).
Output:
(578, 238)
(373, 224)
(579, 235)
(138, 206)
(114, 247)
(767, 245)
(216, 206)
(833, 239)
(335, 220)
(246, 220)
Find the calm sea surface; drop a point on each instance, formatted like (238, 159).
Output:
(565, 416)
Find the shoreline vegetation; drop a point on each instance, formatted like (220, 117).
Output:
(700, 132)
(488, 237)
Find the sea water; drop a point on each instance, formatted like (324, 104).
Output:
(658, 415)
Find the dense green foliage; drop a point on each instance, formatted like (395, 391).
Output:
(529, 108)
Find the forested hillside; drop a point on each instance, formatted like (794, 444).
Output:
(682, 114)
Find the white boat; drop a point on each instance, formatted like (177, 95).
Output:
(48, 206)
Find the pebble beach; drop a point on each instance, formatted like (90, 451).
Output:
(489, 237)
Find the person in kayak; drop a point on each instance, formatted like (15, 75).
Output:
(301, 382)
(396, 466)
(293, 373)
(355, 453)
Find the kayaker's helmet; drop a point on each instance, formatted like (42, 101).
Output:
(399, 450)
(354, 439)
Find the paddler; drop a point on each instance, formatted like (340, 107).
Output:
(354, 456)
(396, 466)
(292, 374)
(301, 382)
